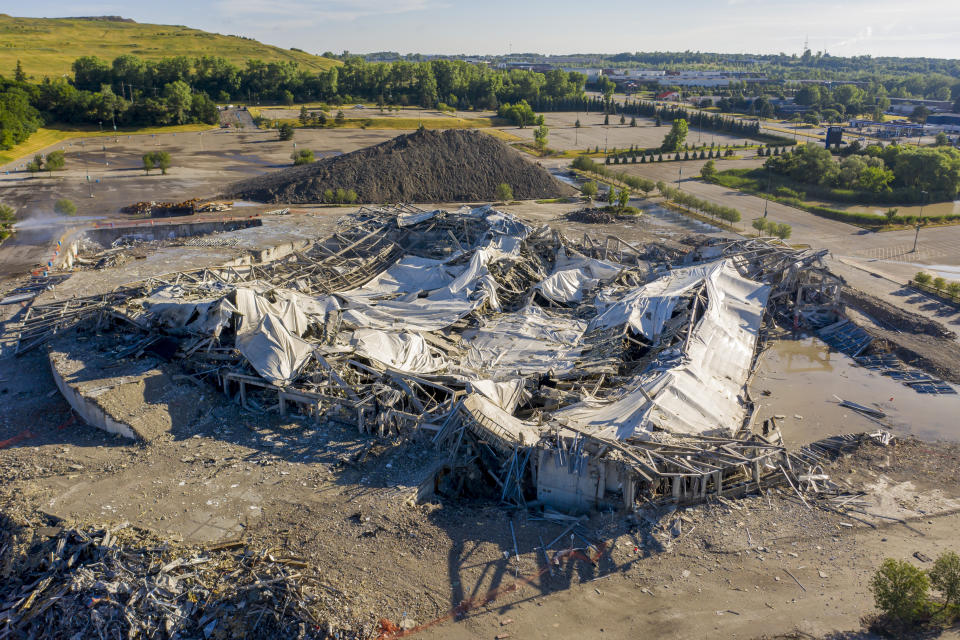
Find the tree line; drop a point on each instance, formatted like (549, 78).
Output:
(684, 199)
(178, 90)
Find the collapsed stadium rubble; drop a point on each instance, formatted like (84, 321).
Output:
(570, 374)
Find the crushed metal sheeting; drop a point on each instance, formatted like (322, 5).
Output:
(583, 372)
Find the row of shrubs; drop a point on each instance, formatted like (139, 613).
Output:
(632, 159)
(727, 214)
(339, 196)
(938, 284)
(583, 163)
(779, 229)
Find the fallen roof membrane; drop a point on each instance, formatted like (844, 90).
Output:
(406, 317)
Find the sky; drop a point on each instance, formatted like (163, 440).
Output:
(929, 28)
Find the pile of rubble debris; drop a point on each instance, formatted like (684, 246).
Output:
(572, 373)
(121, 582)
(172, 208)
(592, 215)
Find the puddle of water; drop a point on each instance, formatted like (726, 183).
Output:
(804, 375)
(563, 177)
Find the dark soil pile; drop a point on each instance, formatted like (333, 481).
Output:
(426, 166)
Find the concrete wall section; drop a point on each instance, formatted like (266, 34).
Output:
(105, 236)
(87, 409)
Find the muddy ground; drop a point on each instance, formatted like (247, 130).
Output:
(340, 503)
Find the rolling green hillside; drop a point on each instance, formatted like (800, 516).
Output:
(48, 46)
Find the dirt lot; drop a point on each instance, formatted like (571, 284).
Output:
(372, 111)
(338, 503)
(592, 133)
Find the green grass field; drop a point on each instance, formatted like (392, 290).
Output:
(46, 136)
(48, 47)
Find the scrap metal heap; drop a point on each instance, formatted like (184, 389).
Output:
(577, 374)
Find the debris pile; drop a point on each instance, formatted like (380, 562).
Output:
(172, 208)
(592, 215)
(426, 166)
(578, 373)
(111, 583)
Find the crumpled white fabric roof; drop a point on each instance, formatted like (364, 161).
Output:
(572, 277)
(646, 309)
(472, 287)
(269, 334)
(697, 392)
(405, 351)
(525, 342)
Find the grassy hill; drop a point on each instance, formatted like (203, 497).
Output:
(48, 46)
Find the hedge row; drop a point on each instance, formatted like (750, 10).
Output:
(583, 163)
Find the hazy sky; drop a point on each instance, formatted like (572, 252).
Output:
(842, 27)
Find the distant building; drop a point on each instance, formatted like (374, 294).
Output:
(905, 106)
(946, 122)
(668, 95)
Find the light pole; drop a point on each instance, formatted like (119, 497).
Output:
(916, 237)
(679, 173)
(86, 170)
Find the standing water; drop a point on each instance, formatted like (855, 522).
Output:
(804, 375)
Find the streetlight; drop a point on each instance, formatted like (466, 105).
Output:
(916, 237)
(679, 173)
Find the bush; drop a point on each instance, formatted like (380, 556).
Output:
(945, 575)
(589, 189)
(709, 171)
(782, 230)
(922, 278)
(785, 192)
(65, 207)
(939, 283)
(55, 161)
(504, 192)
(900, 590)
(954, 289)
(159, 159)
(303, 156)
(285, 131)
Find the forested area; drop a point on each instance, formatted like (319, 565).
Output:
(129, 91)
(895, 173)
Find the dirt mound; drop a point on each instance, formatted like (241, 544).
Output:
(426, 166)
